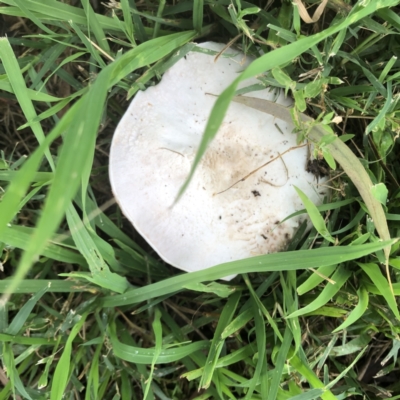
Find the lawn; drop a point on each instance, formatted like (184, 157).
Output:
(88, 310)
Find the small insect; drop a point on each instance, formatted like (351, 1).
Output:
(319, 168)
(256, 193)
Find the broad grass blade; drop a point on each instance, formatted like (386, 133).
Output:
(285, 261)
(139, 355)
(339, 277)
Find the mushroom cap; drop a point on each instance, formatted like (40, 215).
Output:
(155, 144)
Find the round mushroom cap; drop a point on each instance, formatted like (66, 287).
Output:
(220, 217)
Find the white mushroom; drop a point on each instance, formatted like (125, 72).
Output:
(219, 218)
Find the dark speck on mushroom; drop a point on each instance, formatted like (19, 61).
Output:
(256, 193)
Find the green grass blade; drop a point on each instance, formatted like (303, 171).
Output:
(89, 45)
(58, 11)
(93, 383)
(290, 261)
(138, 355)
(54, 286)
(19, 237)
(20, 90)
(315, 216)
(9, 365)
(309, 395)
(357, 312)
(100, 272)
(375, 274)
(301, 366)
(346, 370)
(61, 373)
(157, 328)
(218, 342)
(261, 370)
(32, 94)
(94, 25)
(280, 363)
(382, 113)
(128, 23)
(24, 313)
(198, 6)
(21, 4)
(137, 21)
(315, 279)
(339, 277)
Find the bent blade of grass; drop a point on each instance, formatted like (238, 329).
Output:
(79, 140)
(300, 364)
(139, 355)
(358, 311)
(157, 328)
(100, 272)
(265, 63)
(32, 94)
(339, 277)
(285, 261)
(315, 216)
(316, 278)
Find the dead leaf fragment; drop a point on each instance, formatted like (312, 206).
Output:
(305, 16)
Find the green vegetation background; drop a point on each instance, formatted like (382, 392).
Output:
(88, 310)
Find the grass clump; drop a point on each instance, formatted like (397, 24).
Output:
(89, 311)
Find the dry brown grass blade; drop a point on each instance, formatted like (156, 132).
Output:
(305, 16)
